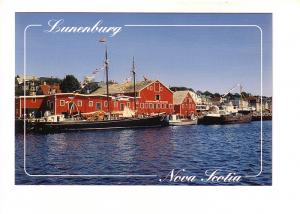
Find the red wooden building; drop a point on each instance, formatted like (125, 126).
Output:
(151, 97)
(33, 104)
(70, 103)
(184, 104)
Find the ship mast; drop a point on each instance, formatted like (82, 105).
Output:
(133, 72)
(241, 99)
(106, 74)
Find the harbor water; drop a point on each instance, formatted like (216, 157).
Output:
(143, 156)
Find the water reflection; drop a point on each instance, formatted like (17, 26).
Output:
(147, 151)
(125, 149)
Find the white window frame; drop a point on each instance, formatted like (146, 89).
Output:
(62, 103)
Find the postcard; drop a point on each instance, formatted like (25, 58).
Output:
(143, 99)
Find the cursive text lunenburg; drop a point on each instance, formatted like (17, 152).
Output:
(57, 26)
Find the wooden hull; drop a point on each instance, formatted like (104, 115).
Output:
(69, 126)
(226, 119)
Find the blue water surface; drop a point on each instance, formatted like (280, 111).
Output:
(125, 156)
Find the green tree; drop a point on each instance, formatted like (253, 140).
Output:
(198, 92)
(50, 80)
(70, 84)
(216, 95)
(181, 88)
(245, 94)
(18, 88)
(237, 95)
(207, 93)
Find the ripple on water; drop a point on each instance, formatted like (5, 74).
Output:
(146, 151)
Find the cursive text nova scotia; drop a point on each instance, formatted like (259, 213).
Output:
(178, 176)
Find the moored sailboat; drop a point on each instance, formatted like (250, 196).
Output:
(58, 123)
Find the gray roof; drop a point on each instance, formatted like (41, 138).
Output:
(178, 96)
(126, 87)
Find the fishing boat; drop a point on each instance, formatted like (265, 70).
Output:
(227, 114)
(58, 123)
(225, 118)
(175, 120)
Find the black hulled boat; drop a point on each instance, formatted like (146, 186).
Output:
(57, 123)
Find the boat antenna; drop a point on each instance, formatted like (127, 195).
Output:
(133, 72)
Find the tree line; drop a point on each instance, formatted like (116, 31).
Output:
(210, 94)
(68, 84)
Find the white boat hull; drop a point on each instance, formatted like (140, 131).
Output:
(183, 123)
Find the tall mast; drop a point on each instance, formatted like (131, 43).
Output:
(241, 97)
(106, 73)
(133, 72)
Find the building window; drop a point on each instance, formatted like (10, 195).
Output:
(146, 105)
(151, 105)
(62, 103)
(98, 106)
(157, 97)
(122, 105)
(48, 103)
(142, 105)
(105, 103)
(161, 88)
(33, 100)
(170, 106)
(157, 106)
(91, 103)
(71, 105)
(128, 104)
(151, 88)
(79, 103)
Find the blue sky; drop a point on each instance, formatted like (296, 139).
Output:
(203, 58)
